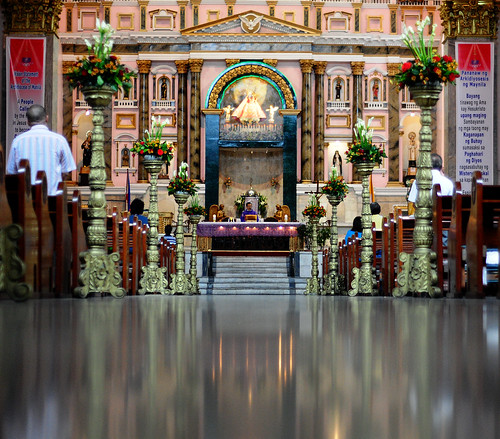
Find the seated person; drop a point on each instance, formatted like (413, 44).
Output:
(247, 211)
(168, 234)
(376, 217)
(137, 210)
(356, 231)
(221, 216)
(279, 213)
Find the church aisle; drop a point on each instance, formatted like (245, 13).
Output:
(263, 367)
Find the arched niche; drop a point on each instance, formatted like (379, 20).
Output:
(251, 106)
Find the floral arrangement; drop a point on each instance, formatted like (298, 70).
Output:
(363, 150)
(228, 182)
(427, 65)
(152, 143)
(240, 203)
(181, 182)
(100, 67)
(194, 207)
(314, 209)
(275, 182)
(335, 186)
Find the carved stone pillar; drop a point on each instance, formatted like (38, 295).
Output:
(357, 99)
(319, 120)
(144, 67)
(319, 13)
(393, 102)
(306, 66)
(196, 11)
(195, 66)
(182, 13)
(67, 129)
(306, 4)
(182, 110)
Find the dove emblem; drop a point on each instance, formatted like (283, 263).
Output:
(250, 23)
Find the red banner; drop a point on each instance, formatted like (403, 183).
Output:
(25, 81)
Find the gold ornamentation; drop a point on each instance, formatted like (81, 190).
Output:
(182, 66)
(249, 69)
(195, 65)
(469, 18)
(357, 67)
(66, 66)
(250, 23)
(306, 65)
(32, 16)
(393, 68)
(232, 62)
(320, 67)
(313, 285)
(144, 66)
(271, 62)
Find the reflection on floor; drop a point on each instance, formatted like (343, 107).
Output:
(250, 367)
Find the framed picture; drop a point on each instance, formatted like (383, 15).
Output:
(125, 22)
(374, 24)
(338, 121)
(126, 120)
(378, 122)
(170, 119)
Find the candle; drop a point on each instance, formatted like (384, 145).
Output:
(286, 218)
(214, 217)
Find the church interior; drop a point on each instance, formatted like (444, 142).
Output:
(254, 319)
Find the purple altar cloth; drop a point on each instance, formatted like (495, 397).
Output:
(215, 230)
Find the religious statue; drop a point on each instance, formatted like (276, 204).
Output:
(375, 90)
(249, 110)
(272, 109)
(228, 110)
(338, 89)
(87, 150)
(163, 89)
(337, 162)
(279, 213)
(412, 147)
(221, 216)
(125, 158)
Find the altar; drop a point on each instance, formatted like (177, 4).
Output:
(248, 236)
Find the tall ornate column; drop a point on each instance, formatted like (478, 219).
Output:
(306, 66)
(144, 67)
(319, 120)
(393, 101)
(67, 129)
(182, 110)
(195, 66)
(357, 68)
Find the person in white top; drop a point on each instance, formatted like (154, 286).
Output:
(437, 178)
(46, 151)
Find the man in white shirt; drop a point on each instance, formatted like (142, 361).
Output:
(437, 178)
(46, 151)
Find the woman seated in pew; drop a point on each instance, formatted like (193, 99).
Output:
(137, 210)
(356, 230)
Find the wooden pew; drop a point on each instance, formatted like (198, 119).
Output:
(385, 268)
(78, 239)
(21, 206)
(58, 208)
(461, 205)
(482, 233)
(441, 221)
(377, 247)
(45, 235)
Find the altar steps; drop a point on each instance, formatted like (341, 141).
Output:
(252, 275)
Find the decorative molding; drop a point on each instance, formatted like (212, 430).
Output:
(195, 65)
(320, 67)
(306, 65)
(32, 16)
(182, 66)
(66, 66)
(338, 121)
(232, 62)
(127, 120)
(357, 67)
(469, 18)
(271, 62)
(393, 68)
(144, 66)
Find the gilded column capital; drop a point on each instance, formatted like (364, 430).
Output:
(32, 16)
(144, 65)
(272, 2)
(182, 3)
(318, 4)
(66, 66)
(195, 2)
(469, 18)
(271, 62)
(357, 67)
(230, 2)
(232, 62)
(182, 66)
(195, 65)
(306, 3)
(320, 67)
(306, 65)
(393, 68)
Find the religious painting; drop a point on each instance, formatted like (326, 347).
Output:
(251, 111)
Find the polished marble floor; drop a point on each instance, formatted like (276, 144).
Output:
(241, 367)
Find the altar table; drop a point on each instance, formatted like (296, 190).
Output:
(248, 236)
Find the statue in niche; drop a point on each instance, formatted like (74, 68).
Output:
(338, 90)
(163, 89)
(228, 110)
(337, 163)
(249, 110)
(272, 109)
(375, 90)
(87, 150)
(412, 147)
(125, 158)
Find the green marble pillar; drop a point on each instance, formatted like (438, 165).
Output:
(393, 153)
(182, 110)
(306, 66)
(144, 67)
(319, 120)
(195, 66)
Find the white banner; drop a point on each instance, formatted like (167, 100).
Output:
(25, 82)
(474, 133)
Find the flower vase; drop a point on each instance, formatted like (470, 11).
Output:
(153, 278)
(99, 272)
(313, 285)
(364, 280)
(179, 281)
(419, 274)
(333, 284)
(195, 287)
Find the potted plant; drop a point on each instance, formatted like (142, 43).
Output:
(363, 150)
(314, 210)
(335, 187)
(181, 182)
(194, 207)
(152, 146)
